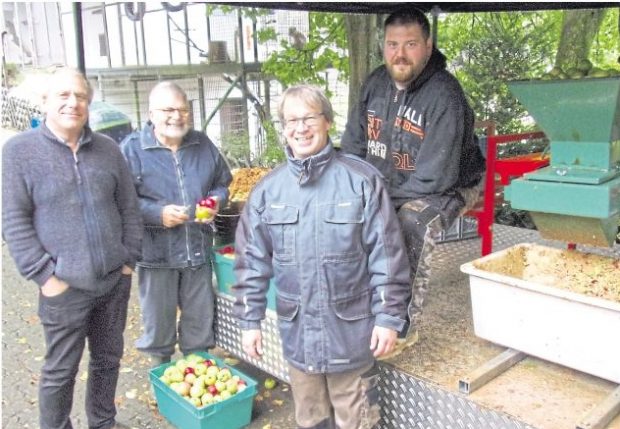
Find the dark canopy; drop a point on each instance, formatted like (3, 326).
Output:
(388, 7)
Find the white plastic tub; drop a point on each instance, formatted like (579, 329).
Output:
(519, 300)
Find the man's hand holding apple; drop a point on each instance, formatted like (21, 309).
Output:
(206, 209)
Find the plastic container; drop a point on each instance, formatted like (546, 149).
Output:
(572, 329)
(226, 222)
(232, 413)
(223, 267)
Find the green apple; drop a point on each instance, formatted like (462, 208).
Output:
(232, 386)
(196, 391)
(206, 399)
(270, 383)
(200, 368)
(220, 386)
(225, 394)
(174, 374)
(210, 380)
(165, 379)
(212, 371)
(194, 358)
(224, 375)
(181, 364)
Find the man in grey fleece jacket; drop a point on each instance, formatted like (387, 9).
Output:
(72, 224)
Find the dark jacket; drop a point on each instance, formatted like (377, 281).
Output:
(325, 229)
(421, 138)
(163, 177)
(72, 216)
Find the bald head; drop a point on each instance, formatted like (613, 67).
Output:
(163, 90)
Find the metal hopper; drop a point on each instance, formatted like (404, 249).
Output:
(576, 198)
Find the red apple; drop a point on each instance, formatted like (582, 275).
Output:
(212, 389)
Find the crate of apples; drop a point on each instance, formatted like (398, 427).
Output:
(202, 381)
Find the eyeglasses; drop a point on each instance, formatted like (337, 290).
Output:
(309, 121)
(169, 111)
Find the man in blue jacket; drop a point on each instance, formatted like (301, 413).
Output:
(413, 122)
(174, 168)
(322, 224)
(71, 220)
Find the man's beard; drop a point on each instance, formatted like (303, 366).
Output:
(175, 132)
(402, 75)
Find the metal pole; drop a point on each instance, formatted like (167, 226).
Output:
(120, 33)
(435, 11)
(18, 33)
(254, 39)
(136, 98)
(169, 36)
(135, 38)
(201, 99)
(187, 52)
(79, 36)
(208, 25)
(242, 59)
(33, 42)
(105, 32)
(143, 40)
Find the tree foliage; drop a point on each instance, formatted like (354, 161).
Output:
(307, 60)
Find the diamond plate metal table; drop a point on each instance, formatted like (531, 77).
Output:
(412, 395)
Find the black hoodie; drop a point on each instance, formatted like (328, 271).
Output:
(421, 139)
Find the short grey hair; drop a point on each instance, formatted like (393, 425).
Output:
(312, 95)
(166, 86)
(70, 71)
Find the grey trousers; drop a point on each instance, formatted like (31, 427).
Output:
(421, 221)
(348, 400)
(69, 319)
(162, 291)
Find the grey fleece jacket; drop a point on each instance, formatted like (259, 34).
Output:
(75, 217)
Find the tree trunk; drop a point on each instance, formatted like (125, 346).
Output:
(364, 51)
(579, 28)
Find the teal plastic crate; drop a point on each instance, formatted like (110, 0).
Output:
(232, 413)
(223, 267)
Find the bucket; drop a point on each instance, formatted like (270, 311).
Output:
(226, 223)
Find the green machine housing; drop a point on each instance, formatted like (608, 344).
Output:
(577, 197)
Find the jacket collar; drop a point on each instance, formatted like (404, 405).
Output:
(149, 141)
(85, 138)
(311, 168)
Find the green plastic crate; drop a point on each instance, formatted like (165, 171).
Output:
(225, 276)
(232, 413)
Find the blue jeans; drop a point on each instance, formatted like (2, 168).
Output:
(68, 320)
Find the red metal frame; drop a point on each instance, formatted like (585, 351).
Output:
(506, 168)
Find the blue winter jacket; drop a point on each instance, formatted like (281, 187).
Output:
(324, 227)
(163, 177)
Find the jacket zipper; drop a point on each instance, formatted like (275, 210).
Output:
(181, 182)
(96, 245)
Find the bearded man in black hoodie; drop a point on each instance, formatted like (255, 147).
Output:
(413, 122)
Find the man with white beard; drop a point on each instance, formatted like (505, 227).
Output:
(174, 168)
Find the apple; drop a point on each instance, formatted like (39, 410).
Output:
(194, 358)
(212, 371)
(165, 379)
(200, 368)
(270, 383)
(196, 391)
(210, 380)
(224, 375)
(174, 374)
(182, 388)
(232, 386)
(181, 364)
(241, 387)
(206, 399)
(190, 378)
(212, 389)
(196, 402)
(189, 370)
(225, 394)
(208, 202)
(220, 386)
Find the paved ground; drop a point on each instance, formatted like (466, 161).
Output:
(22, 356)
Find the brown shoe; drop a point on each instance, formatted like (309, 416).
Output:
(401, 344)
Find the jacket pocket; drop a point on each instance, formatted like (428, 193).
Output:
(342, 229)
(353, 308)
(286, 309)
(282, 221)
(156, 246)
